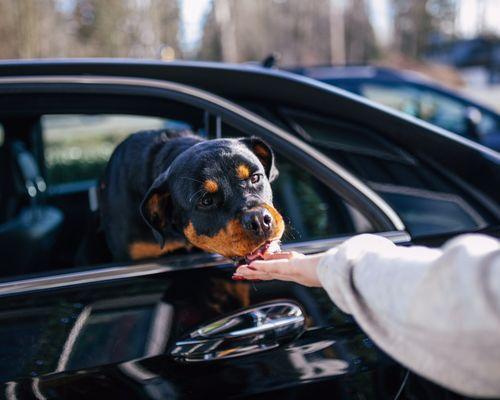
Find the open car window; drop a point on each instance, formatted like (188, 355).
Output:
(78, 146)
(75, 148)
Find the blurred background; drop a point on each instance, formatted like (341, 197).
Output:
(455, 42)
(438, 60)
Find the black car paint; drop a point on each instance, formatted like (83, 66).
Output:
(333, 354)
(189, 293)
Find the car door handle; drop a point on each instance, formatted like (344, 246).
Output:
(262, 327)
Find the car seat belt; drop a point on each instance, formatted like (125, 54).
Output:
(33, 181)
(93, 200)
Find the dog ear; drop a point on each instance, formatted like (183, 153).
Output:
(156, 208)
(265, 155)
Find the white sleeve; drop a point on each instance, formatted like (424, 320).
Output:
(435, 311)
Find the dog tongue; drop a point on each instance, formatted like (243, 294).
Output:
(266, 248)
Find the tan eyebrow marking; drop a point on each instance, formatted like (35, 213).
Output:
(210, 186)
(261, 150)
(243, 171)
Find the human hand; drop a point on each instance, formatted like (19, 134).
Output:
(284, 266)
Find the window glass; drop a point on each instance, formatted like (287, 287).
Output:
(402, 98)
(343, 136)
(488, 125)
(311, 210)
(428, 212)
(430, 106)
(425, 201)
(444, 112)
(77, 147)
(488, 130)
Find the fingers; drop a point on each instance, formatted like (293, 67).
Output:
(279, 266)
(292, 267)
(247, 272)
(278, 256)
(265, 270)
(282, 255)
(274, 266)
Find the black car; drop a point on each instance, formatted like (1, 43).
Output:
(415, 95)
(179, 327)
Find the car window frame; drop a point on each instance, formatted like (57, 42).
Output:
(349, 187)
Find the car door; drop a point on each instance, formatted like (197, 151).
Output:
(179, 326)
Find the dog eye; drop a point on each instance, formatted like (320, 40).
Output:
(206, 201)
(255, 178)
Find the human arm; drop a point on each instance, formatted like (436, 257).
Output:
(435, 311)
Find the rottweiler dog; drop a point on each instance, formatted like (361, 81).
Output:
(163, 191)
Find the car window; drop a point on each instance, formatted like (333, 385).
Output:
(430, 106)
(77, 147)
(402, 98)
(444, 112)
(425, 200)
(310, 208)
(488, 125)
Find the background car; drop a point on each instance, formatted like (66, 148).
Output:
(179, 326)
(415, 95)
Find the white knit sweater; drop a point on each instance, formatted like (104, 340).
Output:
(436, 311)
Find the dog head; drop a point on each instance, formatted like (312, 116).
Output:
(217, 194)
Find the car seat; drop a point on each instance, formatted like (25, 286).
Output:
(27, 237)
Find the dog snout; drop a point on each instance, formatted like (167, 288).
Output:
(258, 221)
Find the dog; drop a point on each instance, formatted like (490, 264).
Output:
(163, 191)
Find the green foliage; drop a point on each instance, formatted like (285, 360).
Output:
(77, 147)
(71, 159)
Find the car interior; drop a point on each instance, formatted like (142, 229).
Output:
(54, 148)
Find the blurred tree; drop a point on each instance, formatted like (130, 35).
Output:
(417, 21)
(337, 32)
(88, 28)
(223, 11)
(302, 32)
(100, 27)
(360, 44)
(26, 27)
(118, 28)
(210, 45)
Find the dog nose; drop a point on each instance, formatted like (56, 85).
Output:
(259, 221)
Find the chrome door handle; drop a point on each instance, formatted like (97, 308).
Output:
(253, 330)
